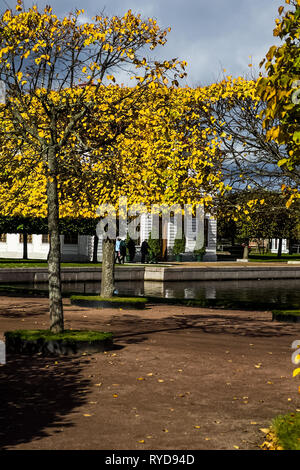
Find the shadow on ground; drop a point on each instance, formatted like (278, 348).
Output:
(131, 328)
(36, 395)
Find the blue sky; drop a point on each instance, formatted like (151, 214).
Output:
(209, 35)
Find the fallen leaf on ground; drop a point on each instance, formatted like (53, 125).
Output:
(265, 430)
(296, 372)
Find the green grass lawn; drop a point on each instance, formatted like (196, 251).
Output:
(285, 432)
(47, 335)
(39, 263)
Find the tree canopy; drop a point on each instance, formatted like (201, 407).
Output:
(280, 88)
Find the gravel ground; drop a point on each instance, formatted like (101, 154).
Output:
(179, 378)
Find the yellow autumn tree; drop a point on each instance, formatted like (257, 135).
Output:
(158, 153)
(53, 68)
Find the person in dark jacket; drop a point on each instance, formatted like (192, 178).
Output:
(122, 251)
(131, 249)
(144, 251)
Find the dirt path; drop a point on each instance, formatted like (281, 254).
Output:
(181, 378)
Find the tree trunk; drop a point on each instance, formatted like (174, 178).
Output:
(108, 268)
(25, 245)
(279, 252)
(55, 297)
(95, 249)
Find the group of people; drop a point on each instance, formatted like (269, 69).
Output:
(123, 247)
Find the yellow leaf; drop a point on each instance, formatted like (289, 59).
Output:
(296, 372)
(265, 430)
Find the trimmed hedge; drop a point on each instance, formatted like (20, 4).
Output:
(96, 301)
(286, 315)
(46, 342)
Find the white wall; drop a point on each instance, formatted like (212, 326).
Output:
(38, 250)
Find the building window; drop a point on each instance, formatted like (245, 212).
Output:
(45, 238)
(71, 239)
(21, 238)
(3, 237)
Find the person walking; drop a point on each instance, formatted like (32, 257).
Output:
(122, 251)
(117, 250)
(144, 251)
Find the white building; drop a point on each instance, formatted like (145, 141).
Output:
(275, 245)
(80, 247)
